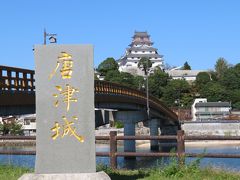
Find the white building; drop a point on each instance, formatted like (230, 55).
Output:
(28, 123)
(203, 110)
(141, 46)
(188, 75)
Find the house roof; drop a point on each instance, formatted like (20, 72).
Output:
(213, 113)
(183, 73)
(213, 104)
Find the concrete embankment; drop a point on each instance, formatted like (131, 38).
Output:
(17, 142)
(208, 128)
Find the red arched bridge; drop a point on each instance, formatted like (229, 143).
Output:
(18, 97)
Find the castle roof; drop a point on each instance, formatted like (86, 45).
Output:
(144, 55)
(141, 34)
(142, 48)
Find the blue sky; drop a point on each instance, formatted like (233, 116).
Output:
(195, 31)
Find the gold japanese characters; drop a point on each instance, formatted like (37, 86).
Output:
(67, 63)
(65, 94)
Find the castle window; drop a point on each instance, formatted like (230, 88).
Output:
(143, 51)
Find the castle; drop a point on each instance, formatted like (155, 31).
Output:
(141, 46)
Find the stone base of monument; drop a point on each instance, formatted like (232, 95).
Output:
(78, 176)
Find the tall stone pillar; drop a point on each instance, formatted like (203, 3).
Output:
(130, 118)
(153, 125)
(129, 130)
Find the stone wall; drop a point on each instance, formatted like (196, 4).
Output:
(221, 128)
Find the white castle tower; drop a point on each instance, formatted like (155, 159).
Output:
(141, 46)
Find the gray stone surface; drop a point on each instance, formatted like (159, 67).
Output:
(220, 129)
(82, 176)
(64, 154)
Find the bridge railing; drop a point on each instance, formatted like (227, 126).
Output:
(22, 80)
(104, 87)
(114, 153)
(16, 79)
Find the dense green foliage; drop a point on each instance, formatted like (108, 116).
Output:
(157, 82)
(223, 84)
(123, 78)
(177, 93)
(221, 67)
(202, 79)
(8, 172)
(11, 129)
(172, 171)
(118, 124)
(108, 64)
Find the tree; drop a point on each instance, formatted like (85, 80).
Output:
(145, 64)
(201, 79)
(108, 64)
(214, 92)
(123, 78)
(175, 91)
(234, 98)
(11, 128)
(220, 67)
(139, 82)
(186, 66)
(157, 81)
(112, 76)
(231, 78)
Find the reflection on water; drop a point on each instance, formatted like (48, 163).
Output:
(18, 160)
(139, 162)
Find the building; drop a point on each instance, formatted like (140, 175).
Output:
(141, 46)
(28, 123)
(203, 110)
(188, 75)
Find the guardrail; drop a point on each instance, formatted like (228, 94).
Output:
(16, 79)
(22, 80)
(110, 88)
(113, 153)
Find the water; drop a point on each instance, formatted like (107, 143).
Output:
(139, 162)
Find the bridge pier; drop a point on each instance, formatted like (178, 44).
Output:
(153, 125)
(129, 130)
(129, 119)
(168, 145)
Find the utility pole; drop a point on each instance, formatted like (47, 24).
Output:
(52, 37)
(147, 93)
(44, 36)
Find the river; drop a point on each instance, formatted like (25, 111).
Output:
(139, 162)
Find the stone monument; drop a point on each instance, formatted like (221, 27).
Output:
(65, 144)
